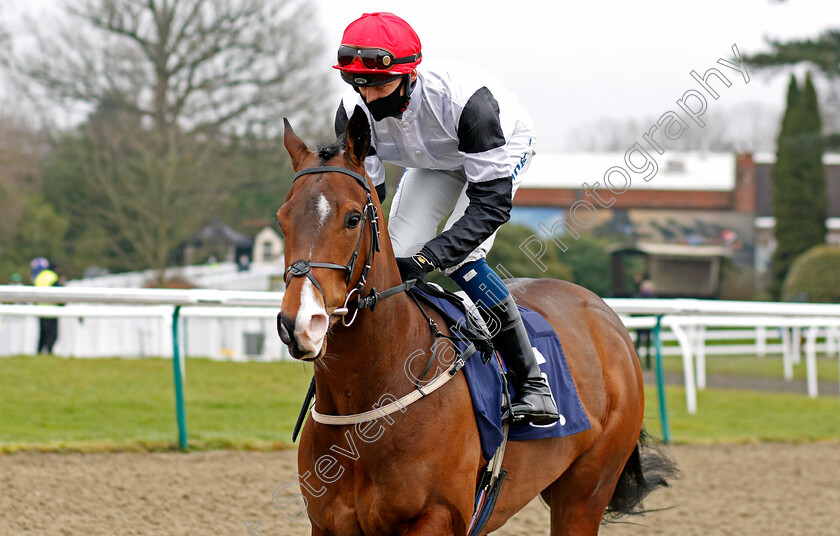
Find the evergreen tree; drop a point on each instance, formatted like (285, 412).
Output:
(813, 170)
(784, 186)
(799, 197)
(821, 52)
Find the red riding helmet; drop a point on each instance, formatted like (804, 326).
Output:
(379, 43)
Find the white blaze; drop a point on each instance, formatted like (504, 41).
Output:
(323, 209)
(312, 321)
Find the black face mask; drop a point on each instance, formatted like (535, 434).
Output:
(391, 106)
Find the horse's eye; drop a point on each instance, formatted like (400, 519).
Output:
(353, 220)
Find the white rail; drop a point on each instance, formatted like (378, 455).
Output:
(692, 322)
(141, 296)
(218, 324)
(686, 306)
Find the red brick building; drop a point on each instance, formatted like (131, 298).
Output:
(678, 198)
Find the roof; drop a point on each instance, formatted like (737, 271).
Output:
(672, 250)
(219, 232)
(686, 171)
(268, 229)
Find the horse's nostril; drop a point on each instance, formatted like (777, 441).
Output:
(318, 325)
(283, 330)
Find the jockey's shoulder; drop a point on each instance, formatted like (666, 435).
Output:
(454, 75)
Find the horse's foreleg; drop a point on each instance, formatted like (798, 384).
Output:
(436, 521)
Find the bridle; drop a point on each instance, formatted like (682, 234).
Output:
(303, 268)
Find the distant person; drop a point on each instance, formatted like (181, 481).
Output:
(244, 263)
(38, 265)
(48, 277)
(646, 289)
(643, 336)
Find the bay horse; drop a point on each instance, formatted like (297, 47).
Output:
(414, 472)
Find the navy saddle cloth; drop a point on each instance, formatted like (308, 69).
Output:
(485, 384)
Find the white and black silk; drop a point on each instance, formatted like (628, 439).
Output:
(462, 120)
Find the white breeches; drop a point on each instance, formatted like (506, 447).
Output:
(425, 197)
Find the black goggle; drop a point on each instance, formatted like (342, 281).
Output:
(369, 79)
(372, 58)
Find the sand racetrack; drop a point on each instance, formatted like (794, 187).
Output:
(755, 489)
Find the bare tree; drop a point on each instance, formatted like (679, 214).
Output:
(166, 82)
(151, 193)
(30, 226)
(21, 149)
(203, 64)
(745, 128)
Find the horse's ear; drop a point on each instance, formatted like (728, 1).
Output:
(357, 136)
(294, 145)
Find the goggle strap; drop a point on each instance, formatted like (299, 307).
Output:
(394, 60)
(407, 59)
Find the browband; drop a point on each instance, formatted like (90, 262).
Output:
(336, 169)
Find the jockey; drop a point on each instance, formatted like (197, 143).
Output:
(466, 145)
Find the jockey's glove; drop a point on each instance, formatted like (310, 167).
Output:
(414, 267)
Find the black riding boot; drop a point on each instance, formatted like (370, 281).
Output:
(533, 399)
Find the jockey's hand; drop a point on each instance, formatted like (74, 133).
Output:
(414, 267)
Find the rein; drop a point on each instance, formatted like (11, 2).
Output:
(303, 268)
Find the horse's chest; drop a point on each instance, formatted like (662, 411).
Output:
(353, 488)
(358, 504)
(380, 477)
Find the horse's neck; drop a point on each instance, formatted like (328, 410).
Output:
(367, 361)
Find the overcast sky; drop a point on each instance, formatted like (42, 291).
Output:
(573, 63)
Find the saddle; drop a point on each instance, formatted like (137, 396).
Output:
(486, 380)
(464, 327)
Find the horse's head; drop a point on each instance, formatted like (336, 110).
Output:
(329, 221)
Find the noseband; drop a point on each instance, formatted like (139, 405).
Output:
(303, 268)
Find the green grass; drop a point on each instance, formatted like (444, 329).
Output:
(55, 404)
(770, 366)
(51, 403)
(743, 416)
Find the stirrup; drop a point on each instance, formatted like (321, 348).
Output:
(507, 411)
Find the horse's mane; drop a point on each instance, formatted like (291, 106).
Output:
(328, 149)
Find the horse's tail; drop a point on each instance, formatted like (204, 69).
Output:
(647, 468)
